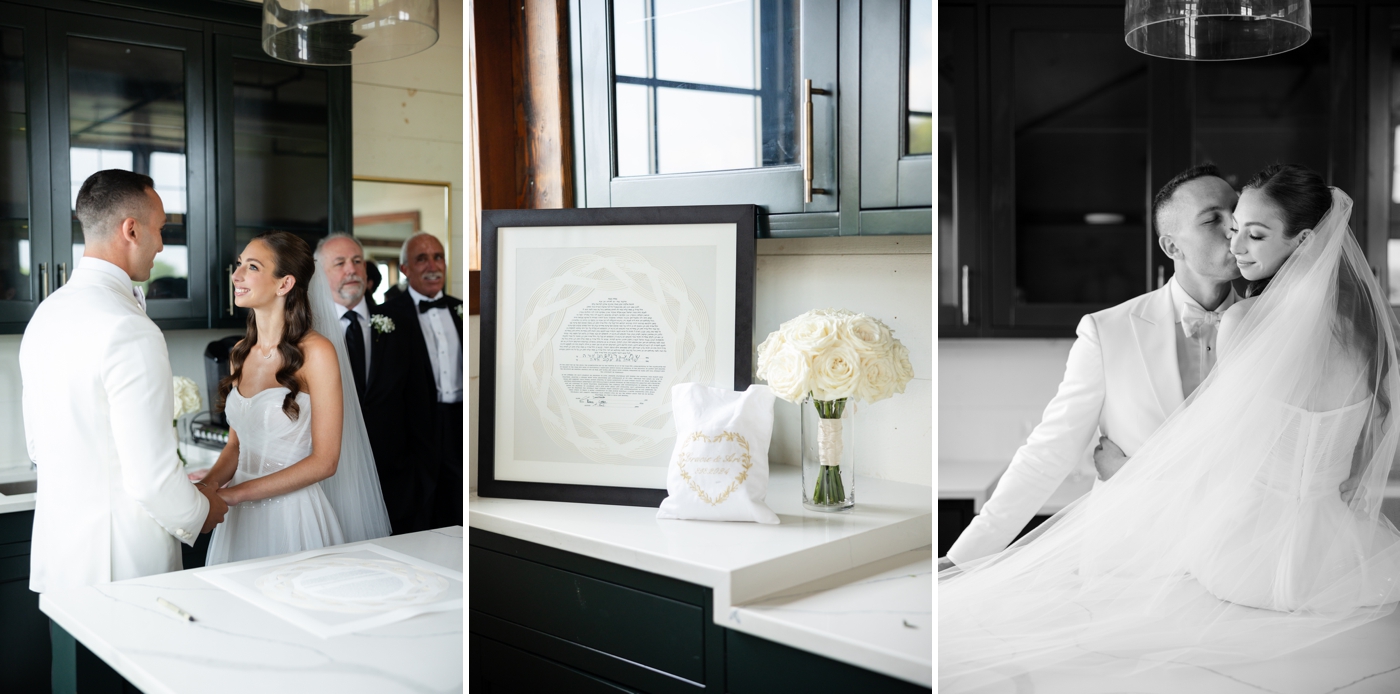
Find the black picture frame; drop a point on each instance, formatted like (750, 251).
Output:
(745, 221)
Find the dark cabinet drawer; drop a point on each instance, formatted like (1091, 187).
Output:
(16, 527)
(513, 671)
(650, 630)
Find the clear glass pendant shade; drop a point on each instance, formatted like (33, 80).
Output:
(347, 32)
(1216, 29)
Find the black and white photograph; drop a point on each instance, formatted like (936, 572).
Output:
(1168, 262)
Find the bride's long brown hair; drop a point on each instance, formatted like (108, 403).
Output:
(291, 256)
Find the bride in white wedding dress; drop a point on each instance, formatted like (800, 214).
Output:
(1249, 525)
(297, 472)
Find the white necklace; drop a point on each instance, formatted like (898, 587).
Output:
(269, 352)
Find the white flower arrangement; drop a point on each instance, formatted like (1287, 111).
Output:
(458, 309)
(833, 356)
(187, 401)
(382, 324)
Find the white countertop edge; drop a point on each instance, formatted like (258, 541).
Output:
(114, 658)
(17, 502)
(597, 549)
(828, 645)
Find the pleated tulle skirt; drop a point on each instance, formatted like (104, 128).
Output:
(294, 522)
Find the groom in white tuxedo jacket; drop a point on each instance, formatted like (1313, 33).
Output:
(1131, 366)
(113, 501)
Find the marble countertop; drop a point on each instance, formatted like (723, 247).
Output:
(1365, 660)
(234, 648)
(10, 503)
(747, 563)
(880, 614)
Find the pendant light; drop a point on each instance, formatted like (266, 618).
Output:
(1216, 29)
(347, 32)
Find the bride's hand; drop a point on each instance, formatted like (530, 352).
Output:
(230, 495)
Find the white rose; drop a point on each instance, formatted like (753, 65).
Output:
(811, 332)
(187, 400)
(903, 370)
(768, 348)
(786, 369)
(867, 335)
(835, 372)
(877, 378)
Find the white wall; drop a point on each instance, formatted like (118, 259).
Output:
(890, 278)
(12, 449)
(991, 393)
(407, 121)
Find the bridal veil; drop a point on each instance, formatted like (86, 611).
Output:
(354, 488)
(1228, 536)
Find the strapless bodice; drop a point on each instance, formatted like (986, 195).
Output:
(1313, 453)
(268, 440)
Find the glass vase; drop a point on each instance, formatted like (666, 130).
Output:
(828, 454)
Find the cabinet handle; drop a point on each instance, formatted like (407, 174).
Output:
(966, 318)
(62, 274)
(228, 271)
(807, 92)
(43, 281)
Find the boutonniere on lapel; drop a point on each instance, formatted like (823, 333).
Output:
(458, 309)
(382, 324)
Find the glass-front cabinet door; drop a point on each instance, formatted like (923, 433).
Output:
(25, 260)
(959, 272)
(688, 102)
(896, 120)
(130, 96)
(275, 139)
(1068, 227)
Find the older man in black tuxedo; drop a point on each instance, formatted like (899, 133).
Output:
(414, 401)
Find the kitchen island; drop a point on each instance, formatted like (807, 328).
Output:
(234, 647)
(615, 597)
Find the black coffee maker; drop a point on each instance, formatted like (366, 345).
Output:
(216, 368)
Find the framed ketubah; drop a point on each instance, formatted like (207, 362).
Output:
(588, 317)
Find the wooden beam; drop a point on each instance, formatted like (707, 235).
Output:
(523, 104)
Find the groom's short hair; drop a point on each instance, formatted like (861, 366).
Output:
(1164, 195)
(108, 196)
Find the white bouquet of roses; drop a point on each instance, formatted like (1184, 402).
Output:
(833, 356)
(187, 401)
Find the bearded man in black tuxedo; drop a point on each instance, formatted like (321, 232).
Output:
(413, 406)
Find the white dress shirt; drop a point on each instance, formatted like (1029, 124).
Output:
(361, 308)
(100, 265)
(444, 348)
(1195, 355)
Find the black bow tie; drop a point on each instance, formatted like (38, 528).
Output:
(425, 306)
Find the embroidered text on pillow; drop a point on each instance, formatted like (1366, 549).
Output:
(744, 459)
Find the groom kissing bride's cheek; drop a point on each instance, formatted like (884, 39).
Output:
(1243, 448)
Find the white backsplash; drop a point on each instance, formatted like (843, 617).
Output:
(991, 393)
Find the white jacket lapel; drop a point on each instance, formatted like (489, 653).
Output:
(1154, 326)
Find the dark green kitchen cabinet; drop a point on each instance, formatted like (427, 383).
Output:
(24, 630)
(544, 619)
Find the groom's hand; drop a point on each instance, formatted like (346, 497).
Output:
(1108, 458)
(1348, 488)
(217, 508)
